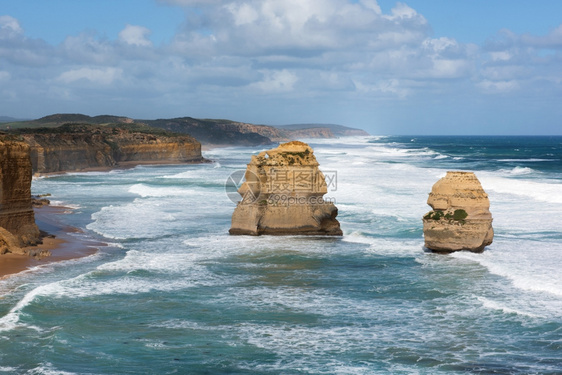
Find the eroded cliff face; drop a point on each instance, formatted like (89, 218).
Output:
(283, 194)
(226, 132)
(85, 147)
(215, 132)
(270, 132)
(461, 219)
(16, 211)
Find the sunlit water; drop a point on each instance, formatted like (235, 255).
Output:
(175, 294)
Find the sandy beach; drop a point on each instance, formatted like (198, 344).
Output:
(64, 245)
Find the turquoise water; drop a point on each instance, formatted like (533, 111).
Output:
(173, 293)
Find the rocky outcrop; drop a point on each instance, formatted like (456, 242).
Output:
(82, 147)
(9, 244)
(16, 212)
(460, 219)
(283, 194)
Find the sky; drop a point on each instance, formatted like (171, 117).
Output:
(466, 67)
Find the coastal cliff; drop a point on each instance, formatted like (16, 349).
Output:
(218, 132)
(460, 219)
(210, 132)
(283, 194)
(227, 132)
(17, 220)
(75, 147)
(309, 133)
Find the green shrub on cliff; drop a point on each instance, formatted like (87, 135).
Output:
(434, 215)
(458, 215)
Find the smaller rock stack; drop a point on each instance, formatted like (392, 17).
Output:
(283, 195)
(460, 219)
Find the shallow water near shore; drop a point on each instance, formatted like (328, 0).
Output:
(173, 293)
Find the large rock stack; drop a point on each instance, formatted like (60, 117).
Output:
(460, 219)
(283, 194)
(16, 212)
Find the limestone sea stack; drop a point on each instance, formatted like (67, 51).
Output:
(461, 218)
(17, 220)
(283, 195)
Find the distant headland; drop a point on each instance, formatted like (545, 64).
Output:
(209, 132)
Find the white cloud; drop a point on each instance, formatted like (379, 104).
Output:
(17, 49)
(135, 35)
(87, 48)
(445, 68)
(498, 86)
(276, 81)
(105, 76)
(9, 26)
(5, 76)
(504, 72)
(501, 56)
(391, 86)
(371, 5)
(304, 30)
(243, 14)
(552, 40)
(439, 45)
(402, 10)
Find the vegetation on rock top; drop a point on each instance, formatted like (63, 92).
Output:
(458, 215)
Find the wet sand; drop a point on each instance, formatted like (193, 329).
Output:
(63, 246)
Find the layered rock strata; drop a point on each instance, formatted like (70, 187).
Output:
(461, 218)
(283, 195)
(16, 212)
(81, 147)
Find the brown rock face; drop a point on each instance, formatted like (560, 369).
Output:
(16, 212)
(78, 148)
(283, 195)
(461, 219)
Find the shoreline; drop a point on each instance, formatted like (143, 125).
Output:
(63, 246)
(58, 239)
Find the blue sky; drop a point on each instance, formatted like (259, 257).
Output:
(409, 67)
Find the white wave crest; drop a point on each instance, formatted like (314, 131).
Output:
(525, 160)
(183, 175)
(65, 205)
(495, 305)
(541, 191)
(441, 156)
(518, 171)
(149, 191)
(538, 276)
(48, 369)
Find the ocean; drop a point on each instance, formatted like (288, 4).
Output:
(173, 293)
